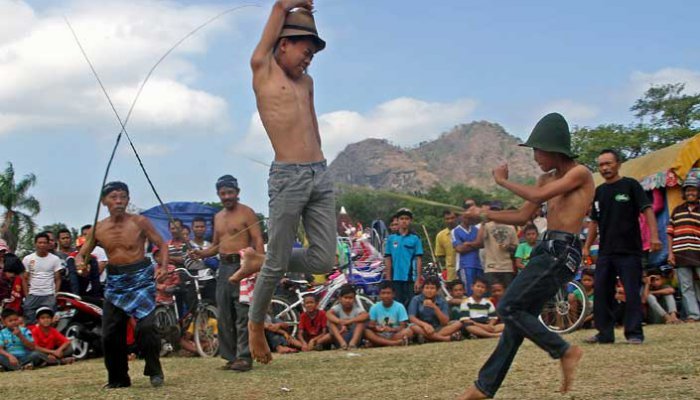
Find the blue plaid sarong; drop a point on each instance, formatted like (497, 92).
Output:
(132, 288)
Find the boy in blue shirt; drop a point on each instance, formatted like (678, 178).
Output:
(388, 320)
(16, 344)
(430, 315)
(467, 248)
(402, 250)
(522, 253)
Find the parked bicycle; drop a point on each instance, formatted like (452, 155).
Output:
(200, 320)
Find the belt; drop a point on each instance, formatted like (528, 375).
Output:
(230, 258)
(560, 236)
(128, 268)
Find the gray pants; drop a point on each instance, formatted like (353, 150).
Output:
(296, 190)
(232, 321)
(657, 311)
(690, 291)
(33, 303)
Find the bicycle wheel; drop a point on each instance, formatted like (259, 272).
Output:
(206, 332)
(567, 310)
(281, 310)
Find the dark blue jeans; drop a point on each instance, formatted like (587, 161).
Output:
(550, 267)
(629, 269)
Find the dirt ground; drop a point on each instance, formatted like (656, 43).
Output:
(667, 366)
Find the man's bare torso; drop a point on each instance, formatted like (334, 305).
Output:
(566, 212)
(123, 240)
(229, 225)
(287, 113)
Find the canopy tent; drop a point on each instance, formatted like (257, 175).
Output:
(186, 211)
(665, 168)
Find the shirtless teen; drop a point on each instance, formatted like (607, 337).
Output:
(568, 189)
(299, 184)
(235, 228)
(131, 287)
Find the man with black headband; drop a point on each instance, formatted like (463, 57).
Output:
(131, 286)
(236, 228)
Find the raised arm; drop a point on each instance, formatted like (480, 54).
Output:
(508, 217)
(262, 55)
(87, 248)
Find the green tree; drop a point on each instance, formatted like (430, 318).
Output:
(20, 206)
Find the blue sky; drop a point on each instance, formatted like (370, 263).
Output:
(402, 70)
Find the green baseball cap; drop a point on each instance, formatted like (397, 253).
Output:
(551, 134)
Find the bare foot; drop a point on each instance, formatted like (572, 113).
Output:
(285, 350)
(251, 262)
(472, 394)
(569, 362)
(258, 344)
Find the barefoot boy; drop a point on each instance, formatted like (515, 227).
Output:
(568, 189)
(299, 184)
(346, 320)
(313, 326)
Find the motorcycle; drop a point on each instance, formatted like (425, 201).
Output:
(80, 320)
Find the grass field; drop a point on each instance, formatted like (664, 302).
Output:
(667, 366)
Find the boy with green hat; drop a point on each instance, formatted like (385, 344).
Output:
(567, 188)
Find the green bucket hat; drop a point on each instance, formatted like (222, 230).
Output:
(551, 134)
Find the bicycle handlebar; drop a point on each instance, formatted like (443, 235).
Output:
(187, 272)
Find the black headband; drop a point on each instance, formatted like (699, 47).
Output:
(112, 186)
(227, 181)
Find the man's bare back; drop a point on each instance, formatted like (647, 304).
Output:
(284, 91)
(566, 212)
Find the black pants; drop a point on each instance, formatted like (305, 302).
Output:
(114, 325)
(629, 269)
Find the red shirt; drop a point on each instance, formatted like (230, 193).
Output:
(51, 340)
(312, 327)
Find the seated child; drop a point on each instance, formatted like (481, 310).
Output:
(497, 291)
(430, 315)
(656, 290)
(17, 349)
(478, 314)
(313, 326)
(457, 295)
(522, 253)
(388, 320)
(588, 283)
(278, 337)
(167, 285)
(346, 320)
(55, 348)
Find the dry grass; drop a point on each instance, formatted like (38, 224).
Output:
(667, 366)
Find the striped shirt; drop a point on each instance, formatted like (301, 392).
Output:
(477, 311)
(684, 230)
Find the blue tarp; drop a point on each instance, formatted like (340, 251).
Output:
(186, 211)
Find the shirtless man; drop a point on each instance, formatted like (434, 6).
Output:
(131, 287)
(568, 189)
(299, 184)
(236, 228)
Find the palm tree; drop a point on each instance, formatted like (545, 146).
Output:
(20, 207)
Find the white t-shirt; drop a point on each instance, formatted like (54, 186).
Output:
(42, 271)
(100, 254)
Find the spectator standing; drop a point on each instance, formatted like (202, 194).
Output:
(42, 278)
(466, 245)
(444, 250)
(65, 244)
(499, 242)
(616, 207)
(402, 249)
(684, 246)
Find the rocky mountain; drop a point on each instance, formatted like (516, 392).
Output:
(466, 154)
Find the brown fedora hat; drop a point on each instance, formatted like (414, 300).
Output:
(300, 22)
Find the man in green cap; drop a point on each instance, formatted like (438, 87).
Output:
(567, 188)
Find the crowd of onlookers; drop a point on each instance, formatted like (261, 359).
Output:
(477, 263)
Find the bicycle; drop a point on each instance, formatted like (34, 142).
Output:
(289, 312)
(565, 313)
(202, 317)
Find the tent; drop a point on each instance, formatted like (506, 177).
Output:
(663, 171)
(186, 211)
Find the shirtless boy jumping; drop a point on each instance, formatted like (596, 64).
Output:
(568, 189)
(299, 184)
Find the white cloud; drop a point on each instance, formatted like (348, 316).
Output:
(574, 112)
(641, 81)
(45, 80)
(404, 121)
